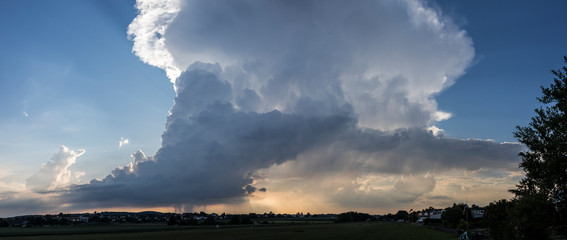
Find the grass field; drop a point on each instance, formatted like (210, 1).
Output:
(373, 230)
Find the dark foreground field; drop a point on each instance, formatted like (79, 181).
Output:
(373, 230)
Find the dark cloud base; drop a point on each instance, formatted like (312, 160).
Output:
(211, 152)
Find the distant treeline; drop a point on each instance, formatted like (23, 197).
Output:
(452, 217)
(355, 217)
(200, 218)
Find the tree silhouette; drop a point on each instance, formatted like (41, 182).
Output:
(545, 163)
(401, 215)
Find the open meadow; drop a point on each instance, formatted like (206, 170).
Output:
(372, 230)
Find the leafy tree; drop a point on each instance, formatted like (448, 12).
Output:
(521, 218)
(545, 163)
(354, 217)
(247, 219)
(36, 221)
(532, 216)
(453, 215)
(401, 215)
(4, 222)
(463, 225)
(235, 219)
(498, 215)
(413, 216)
(210, 220)
(173, 220)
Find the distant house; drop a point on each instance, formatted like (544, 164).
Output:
(20, 223)
(436, 213)
(477, 213)
(430, 214)
(84, 219)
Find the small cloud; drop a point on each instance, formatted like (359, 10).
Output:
(440, 197)
(123, 141)
(435, 131)
(249, 189)
(441, 116)
(262, 189)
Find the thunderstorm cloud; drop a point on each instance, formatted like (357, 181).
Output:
(328, 101)
(304, 90)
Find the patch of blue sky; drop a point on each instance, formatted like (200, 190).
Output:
(516, 44)
(68, 77)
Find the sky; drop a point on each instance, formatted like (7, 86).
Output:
(258, 106)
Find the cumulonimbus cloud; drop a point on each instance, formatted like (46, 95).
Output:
(312, 90)
(212, 153)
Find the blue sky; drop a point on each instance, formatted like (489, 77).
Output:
(68, 76)
(516, 44)
(68, 65)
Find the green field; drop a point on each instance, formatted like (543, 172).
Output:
(373, 230)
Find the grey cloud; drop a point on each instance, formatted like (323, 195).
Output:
(197, 89)
(210, 157)
(404, 191)
(320, 84)
(409, 151)
(358, 154)
(213, 156)
(249, 189)
(440, 197)
(419, 150)
(248, 100)
(13, 204)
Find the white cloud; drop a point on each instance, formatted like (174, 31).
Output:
(435, 130)
(123, 141)
(441, 116)
(56, 173)
(386, 59)
(40, 193)
(147, 31)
